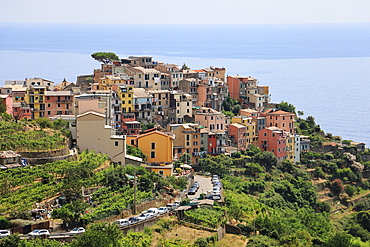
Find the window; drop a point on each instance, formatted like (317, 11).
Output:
(161, 172)
(153, 145)
(265, 134)
(48, 105)
(49, 113)
(58, 105)
(152, 154)
(195, 143)
(116, 143)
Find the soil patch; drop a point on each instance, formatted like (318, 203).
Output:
(186, 234)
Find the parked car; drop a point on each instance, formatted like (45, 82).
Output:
(171, 206)
(133, 220)
(192, 191)
(77, 230)
(216, 197)
(162, 210)
(196, 184)
(145, 216)
(123, 222)
(215, 180)
(194, 187)
(216, 190)
(39, 232)
(4, 233)
(153, 211)
(177, 203)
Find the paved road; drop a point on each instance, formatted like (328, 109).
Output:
(205, 184)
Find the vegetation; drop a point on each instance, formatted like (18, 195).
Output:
(285, 106)
(38, 135)
(104, 57)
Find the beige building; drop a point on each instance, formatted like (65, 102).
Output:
(180, 106)
(94, 134)
(145, 78)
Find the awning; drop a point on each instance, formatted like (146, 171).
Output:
(185, 166)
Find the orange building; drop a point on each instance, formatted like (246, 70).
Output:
(280, 119)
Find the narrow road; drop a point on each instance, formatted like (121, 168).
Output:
(204, 183)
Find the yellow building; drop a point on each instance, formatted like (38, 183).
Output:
(106, 82)
(35, 97)
(158, 147)
(250, 128)
(290, 143)
(126, 95)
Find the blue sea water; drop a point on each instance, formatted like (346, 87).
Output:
(322, 69)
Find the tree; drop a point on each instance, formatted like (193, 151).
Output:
(253, 169)
(100, 234)
(135, 151)
(337, 186)
(184, 67)
(71, 212)
(104, 57)
(266, 159)
(43, 122)
(285, 106)
(2, 106)
(11, 241)
(339, 239)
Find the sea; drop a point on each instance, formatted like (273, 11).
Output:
(322, 69)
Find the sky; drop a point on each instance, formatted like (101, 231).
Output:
(185, 12)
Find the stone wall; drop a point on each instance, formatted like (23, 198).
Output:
(42, 154)
(45, 160)
(232, 229)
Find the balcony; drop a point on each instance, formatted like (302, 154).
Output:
(64, 101)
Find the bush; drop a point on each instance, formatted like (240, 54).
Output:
(350, 190)
(4, 223)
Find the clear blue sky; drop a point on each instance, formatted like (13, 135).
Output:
(185, 12)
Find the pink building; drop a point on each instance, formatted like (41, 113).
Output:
(273, 139)
(280, 119)
(211, 119)
(7, 100)
(237, 133)
(58, 103)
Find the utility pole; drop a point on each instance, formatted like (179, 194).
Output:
(134, 204)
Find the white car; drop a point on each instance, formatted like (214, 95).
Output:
(39, 232)
(123, 222)
(4, 233)
(77, 230)
(145, 216)
(153, 211)
(163, 210)
(171, 206)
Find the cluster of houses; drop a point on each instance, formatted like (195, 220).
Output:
(107, 110)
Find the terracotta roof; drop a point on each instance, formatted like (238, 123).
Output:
(154, 132)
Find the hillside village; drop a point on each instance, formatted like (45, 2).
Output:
(143, 132)
(184, 108)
